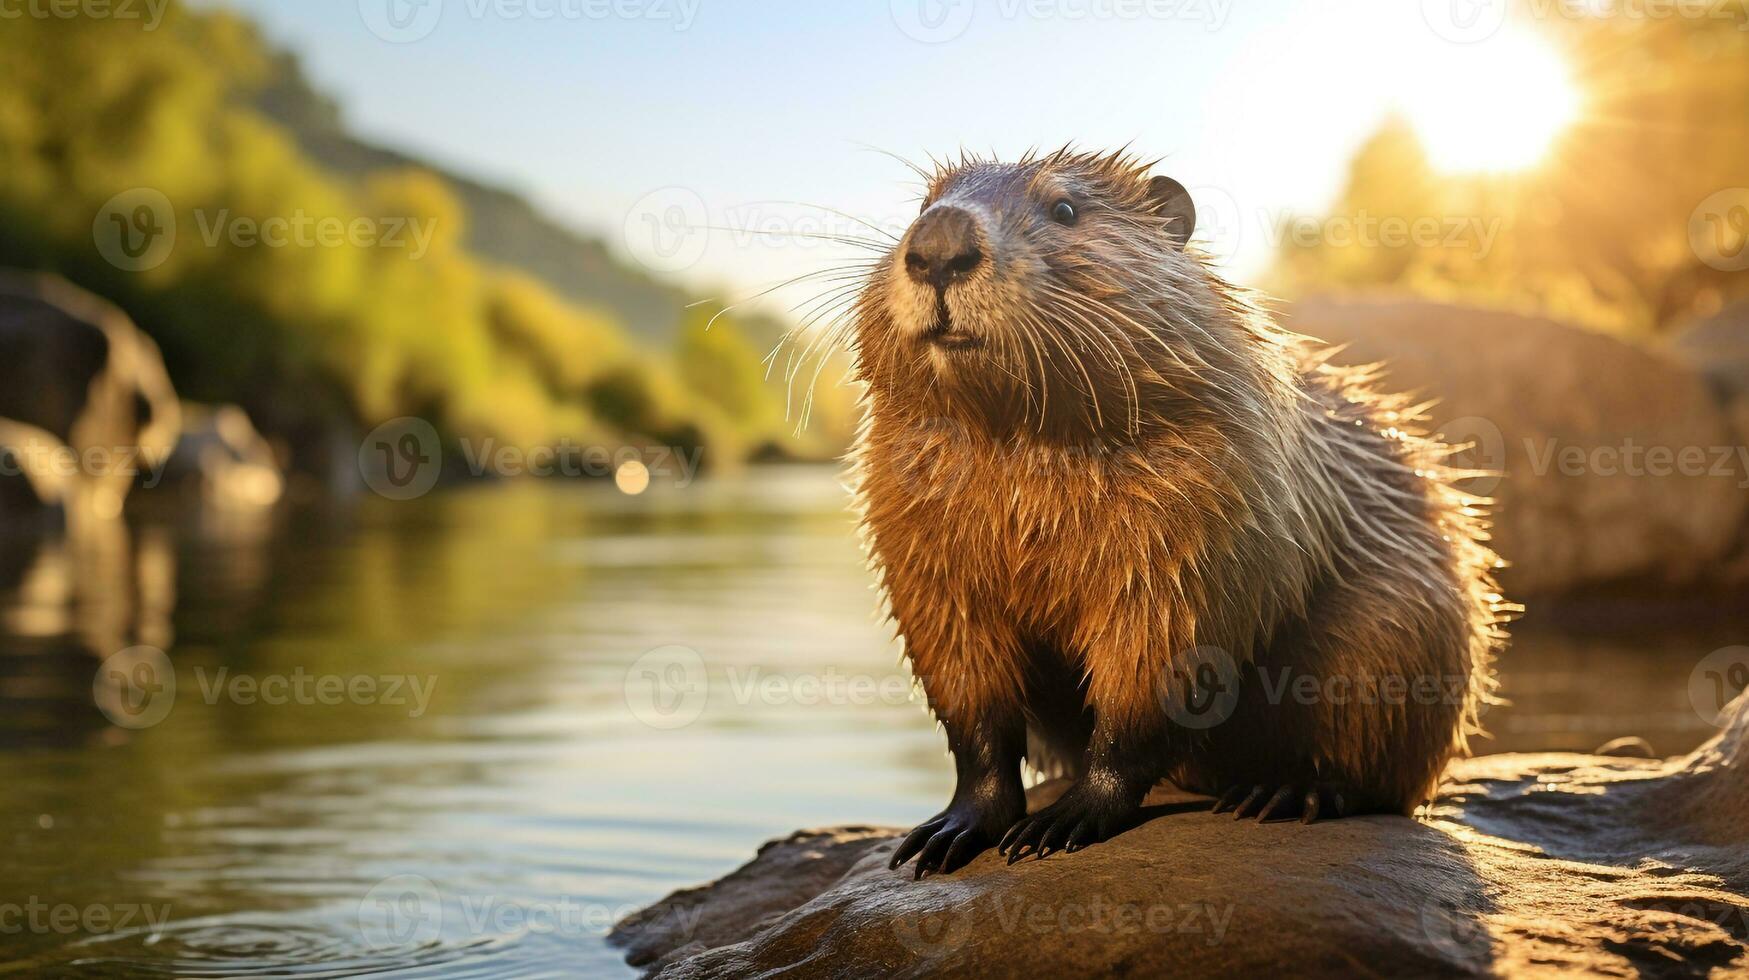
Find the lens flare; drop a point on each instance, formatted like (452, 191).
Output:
(1496, 106)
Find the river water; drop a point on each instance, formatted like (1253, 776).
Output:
(460, 735)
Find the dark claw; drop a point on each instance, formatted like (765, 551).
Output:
(1057, 836)
(914, 842)
(1281, 796)
(1075, 821)
(1229, 799)
(950, 840)
(1268, 801)
(1021, 839)
(1244, 808)
(1079, 837)
(930, 859)
(965, 847)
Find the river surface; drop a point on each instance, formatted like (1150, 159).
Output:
(460, 735)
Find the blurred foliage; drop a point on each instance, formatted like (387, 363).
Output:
(1599, 233)
(318, 340)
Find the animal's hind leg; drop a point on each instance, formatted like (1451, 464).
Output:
(1354, 710)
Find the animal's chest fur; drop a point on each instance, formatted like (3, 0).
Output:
(1049, 537)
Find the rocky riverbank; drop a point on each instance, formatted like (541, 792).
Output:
(1525, 864)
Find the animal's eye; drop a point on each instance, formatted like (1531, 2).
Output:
(1063, 212)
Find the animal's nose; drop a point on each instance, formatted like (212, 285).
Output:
(944, 247)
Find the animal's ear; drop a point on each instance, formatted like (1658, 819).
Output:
(1168, 199)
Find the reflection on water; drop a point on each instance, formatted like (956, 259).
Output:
(460, 735)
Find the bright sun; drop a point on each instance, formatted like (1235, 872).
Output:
(1493, 106)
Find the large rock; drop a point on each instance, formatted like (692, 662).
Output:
(1718, 347)
(1619, 465)
(220, 459)
(78, 369)
(1524, 864)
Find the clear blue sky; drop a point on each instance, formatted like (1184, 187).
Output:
(1255, 104)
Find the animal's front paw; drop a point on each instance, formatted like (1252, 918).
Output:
(949, 840)
(1079, 818)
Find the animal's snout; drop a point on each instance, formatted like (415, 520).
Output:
(945, 247)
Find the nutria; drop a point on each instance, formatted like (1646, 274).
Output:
(1129, 529)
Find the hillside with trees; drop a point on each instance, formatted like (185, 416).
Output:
(492, 322)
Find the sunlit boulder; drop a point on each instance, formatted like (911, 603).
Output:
(1619, 467)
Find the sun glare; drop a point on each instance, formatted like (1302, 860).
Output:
(1496, 106)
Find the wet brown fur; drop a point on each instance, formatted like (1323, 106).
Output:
(1138, 463)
